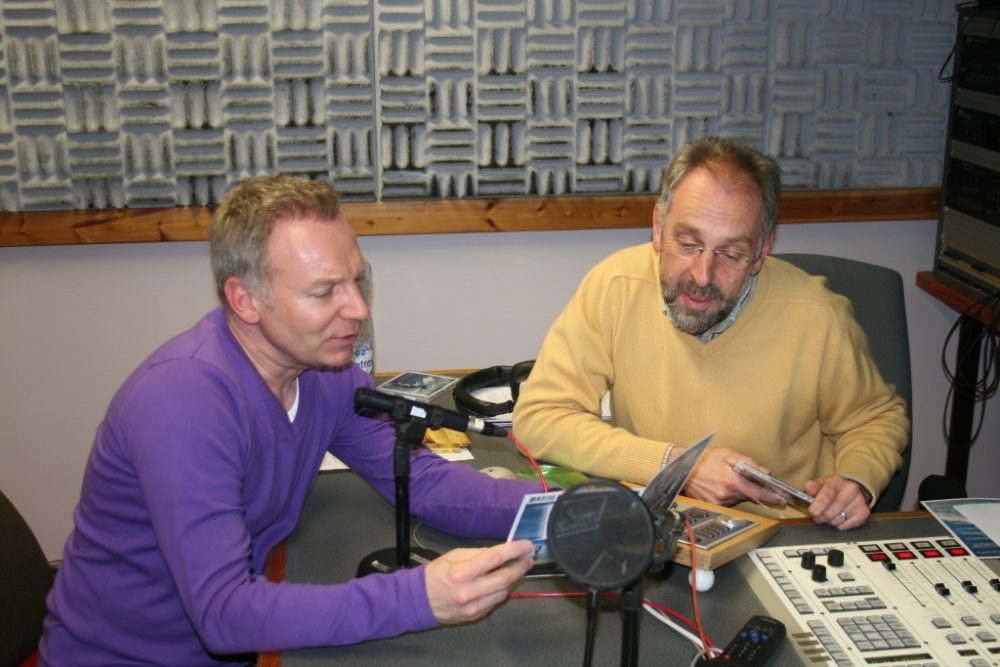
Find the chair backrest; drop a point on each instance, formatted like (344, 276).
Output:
(25, 580)
(877, 295)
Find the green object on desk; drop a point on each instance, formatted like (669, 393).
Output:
(564, 477)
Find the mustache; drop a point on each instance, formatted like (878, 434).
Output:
(709, 291)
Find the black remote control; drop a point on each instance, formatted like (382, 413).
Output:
(756, 641)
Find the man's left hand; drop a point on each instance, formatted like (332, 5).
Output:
(839, 501)
(466, 583)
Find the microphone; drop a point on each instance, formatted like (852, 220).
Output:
(434, 416)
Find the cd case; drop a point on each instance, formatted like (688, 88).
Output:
(772, 483)
(417, 386)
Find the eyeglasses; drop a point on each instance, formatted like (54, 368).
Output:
(727, 257)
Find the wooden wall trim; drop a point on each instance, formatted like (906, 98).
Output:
(436, 216)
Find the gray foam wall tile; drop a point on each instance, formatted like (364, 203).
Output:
(139, 103)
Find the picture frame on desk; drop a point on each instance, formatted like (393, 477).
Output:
(417, 386)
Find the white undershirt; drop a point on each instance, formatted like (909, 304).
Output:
(292, 411)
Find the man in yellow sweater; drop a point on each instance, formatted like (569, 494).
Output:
(701, 331)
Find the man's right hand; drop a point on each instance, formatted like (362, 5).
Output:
(715, 480)
(465, 584)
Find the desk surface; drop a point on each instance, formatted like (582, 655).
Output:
(344, 520)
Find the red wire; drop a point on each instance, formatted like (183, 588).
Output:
(526, 596)
(694, 625)
(578, 594)
(694, 590)
(670, 612)
(531, 459)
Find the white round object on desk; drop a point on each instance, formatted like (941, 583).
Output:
(703, 579)
(499, 472)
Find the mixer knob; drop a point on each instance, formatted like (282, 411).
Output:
(835, 558)
(808, 560)
(819, 573)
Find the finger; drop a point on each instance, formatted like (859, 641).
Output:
(508, 560)
(765, 495)
(490, 589)
(845, 521)
(828, 499)
(510, 552)
(755, 464)
(754, 491)
(834, 519)
(511, 570)
(846, 510)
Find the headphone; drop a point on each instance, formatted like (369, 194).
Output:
(494, 376)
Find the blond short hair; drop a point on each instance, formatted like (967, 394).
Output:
(242, 224)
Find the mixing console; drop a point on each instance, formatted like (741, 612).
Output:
(918, 602)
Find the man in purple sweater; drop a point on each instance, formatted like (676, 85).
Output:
(207, 452)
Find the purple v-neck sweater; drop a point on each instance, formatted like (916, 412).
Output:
(195, 474)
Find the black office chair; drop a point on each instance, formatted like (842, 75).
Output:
(877, 295)
(25, 580)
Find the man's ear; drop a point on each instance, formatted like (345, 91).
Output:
(764, 250)
(657, 228)
(241, 301)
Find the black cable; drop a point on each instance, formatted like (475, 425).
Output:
(593, 606)
(958, 38)
(951, 54)
(987, 343)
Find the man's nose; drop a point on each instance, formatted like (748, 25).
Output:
(703, 268)
(359, 309)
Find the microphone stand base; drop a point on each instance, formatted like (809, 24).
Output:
(384, 560)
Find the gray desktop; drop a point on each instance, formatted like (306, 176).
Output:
(344, 519)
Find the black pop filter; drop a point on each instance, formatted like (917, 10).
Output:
(601, 535)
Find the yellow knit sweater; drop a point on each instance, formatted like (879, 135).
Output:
(791, 384)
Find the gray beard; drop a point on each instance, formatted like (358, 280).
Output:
(697, 322)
